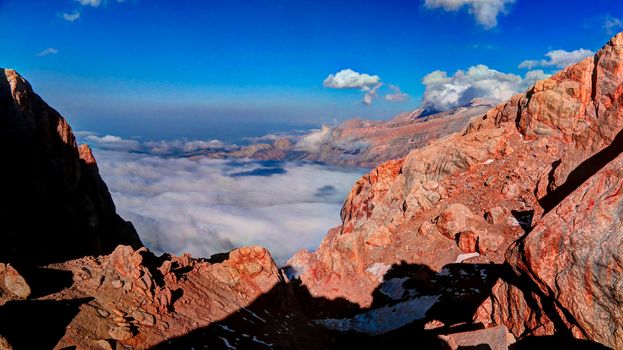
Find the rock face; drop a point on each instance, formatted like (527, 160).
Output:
(55, 205)
(541, 170)
(364, 143)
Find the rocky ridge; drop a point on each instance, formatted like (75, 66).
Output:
(50, 178)
(538, 174)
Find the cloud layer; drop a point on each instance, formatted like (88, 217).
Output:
(444, 92)
(163, 147)
(558, 59)
(485, 12)
(210, 206)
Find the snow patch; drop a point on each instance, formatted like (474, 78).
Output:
(384, 319)
(378, 270)
(393, 288)
(488, 161)
(227, 344)
(262, 342)
(463, 257)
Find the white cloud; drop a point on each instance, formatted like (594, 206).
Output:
(94, 3)
(444, 92)
(370, 94)
(48, 51)
(558, 59)
(484, 11)
(164, 147)
(396, 95)
(612, 24)
(314, 140)
(210, 206)
(111, 142)
(70, 17)
(349, 79)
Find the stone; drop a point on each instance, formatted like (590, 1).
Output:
(496, 338)
(103, 344)
(454, 220)
(495, 216)
(144, 318)
(117, 283)
(468, 242)
(15, 283)
(120, 332)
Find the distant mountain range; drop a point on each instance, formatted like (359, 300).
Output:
(356, 142)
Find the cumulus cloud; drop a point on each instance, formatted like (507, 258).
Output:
(558, 59)
(70, 17)
(396, 95)
(211, 206)
(444, 92)
(48, 51)
(485, 12)
(349, 79)
(612, 24)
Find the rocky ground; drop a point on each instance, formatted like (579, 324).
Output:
(506, 235)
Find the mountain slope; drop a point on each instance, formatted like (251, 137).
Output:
(520, 168)
(55, 205)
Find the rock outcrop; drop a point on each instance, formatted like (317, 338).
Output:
(538, 174)
(55, 205)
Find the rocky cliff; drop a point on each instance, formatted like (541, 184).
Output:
(55, 206)
(538, 174)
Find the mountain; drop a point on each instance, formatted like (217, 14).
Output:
(362, 143)
(506, 232)
(55, 204)
(529, 193)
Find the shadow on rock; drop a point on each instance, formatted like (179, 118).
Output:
(37, 324)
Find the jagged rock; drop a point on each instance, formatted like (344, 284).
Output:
(15, 283)
(564, 202)
(75, 215)
(4, 344)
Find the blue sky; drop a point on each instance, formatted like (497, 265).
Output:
(200, 69)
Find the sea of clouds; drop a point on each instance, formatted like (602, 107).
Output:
(209, 206)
